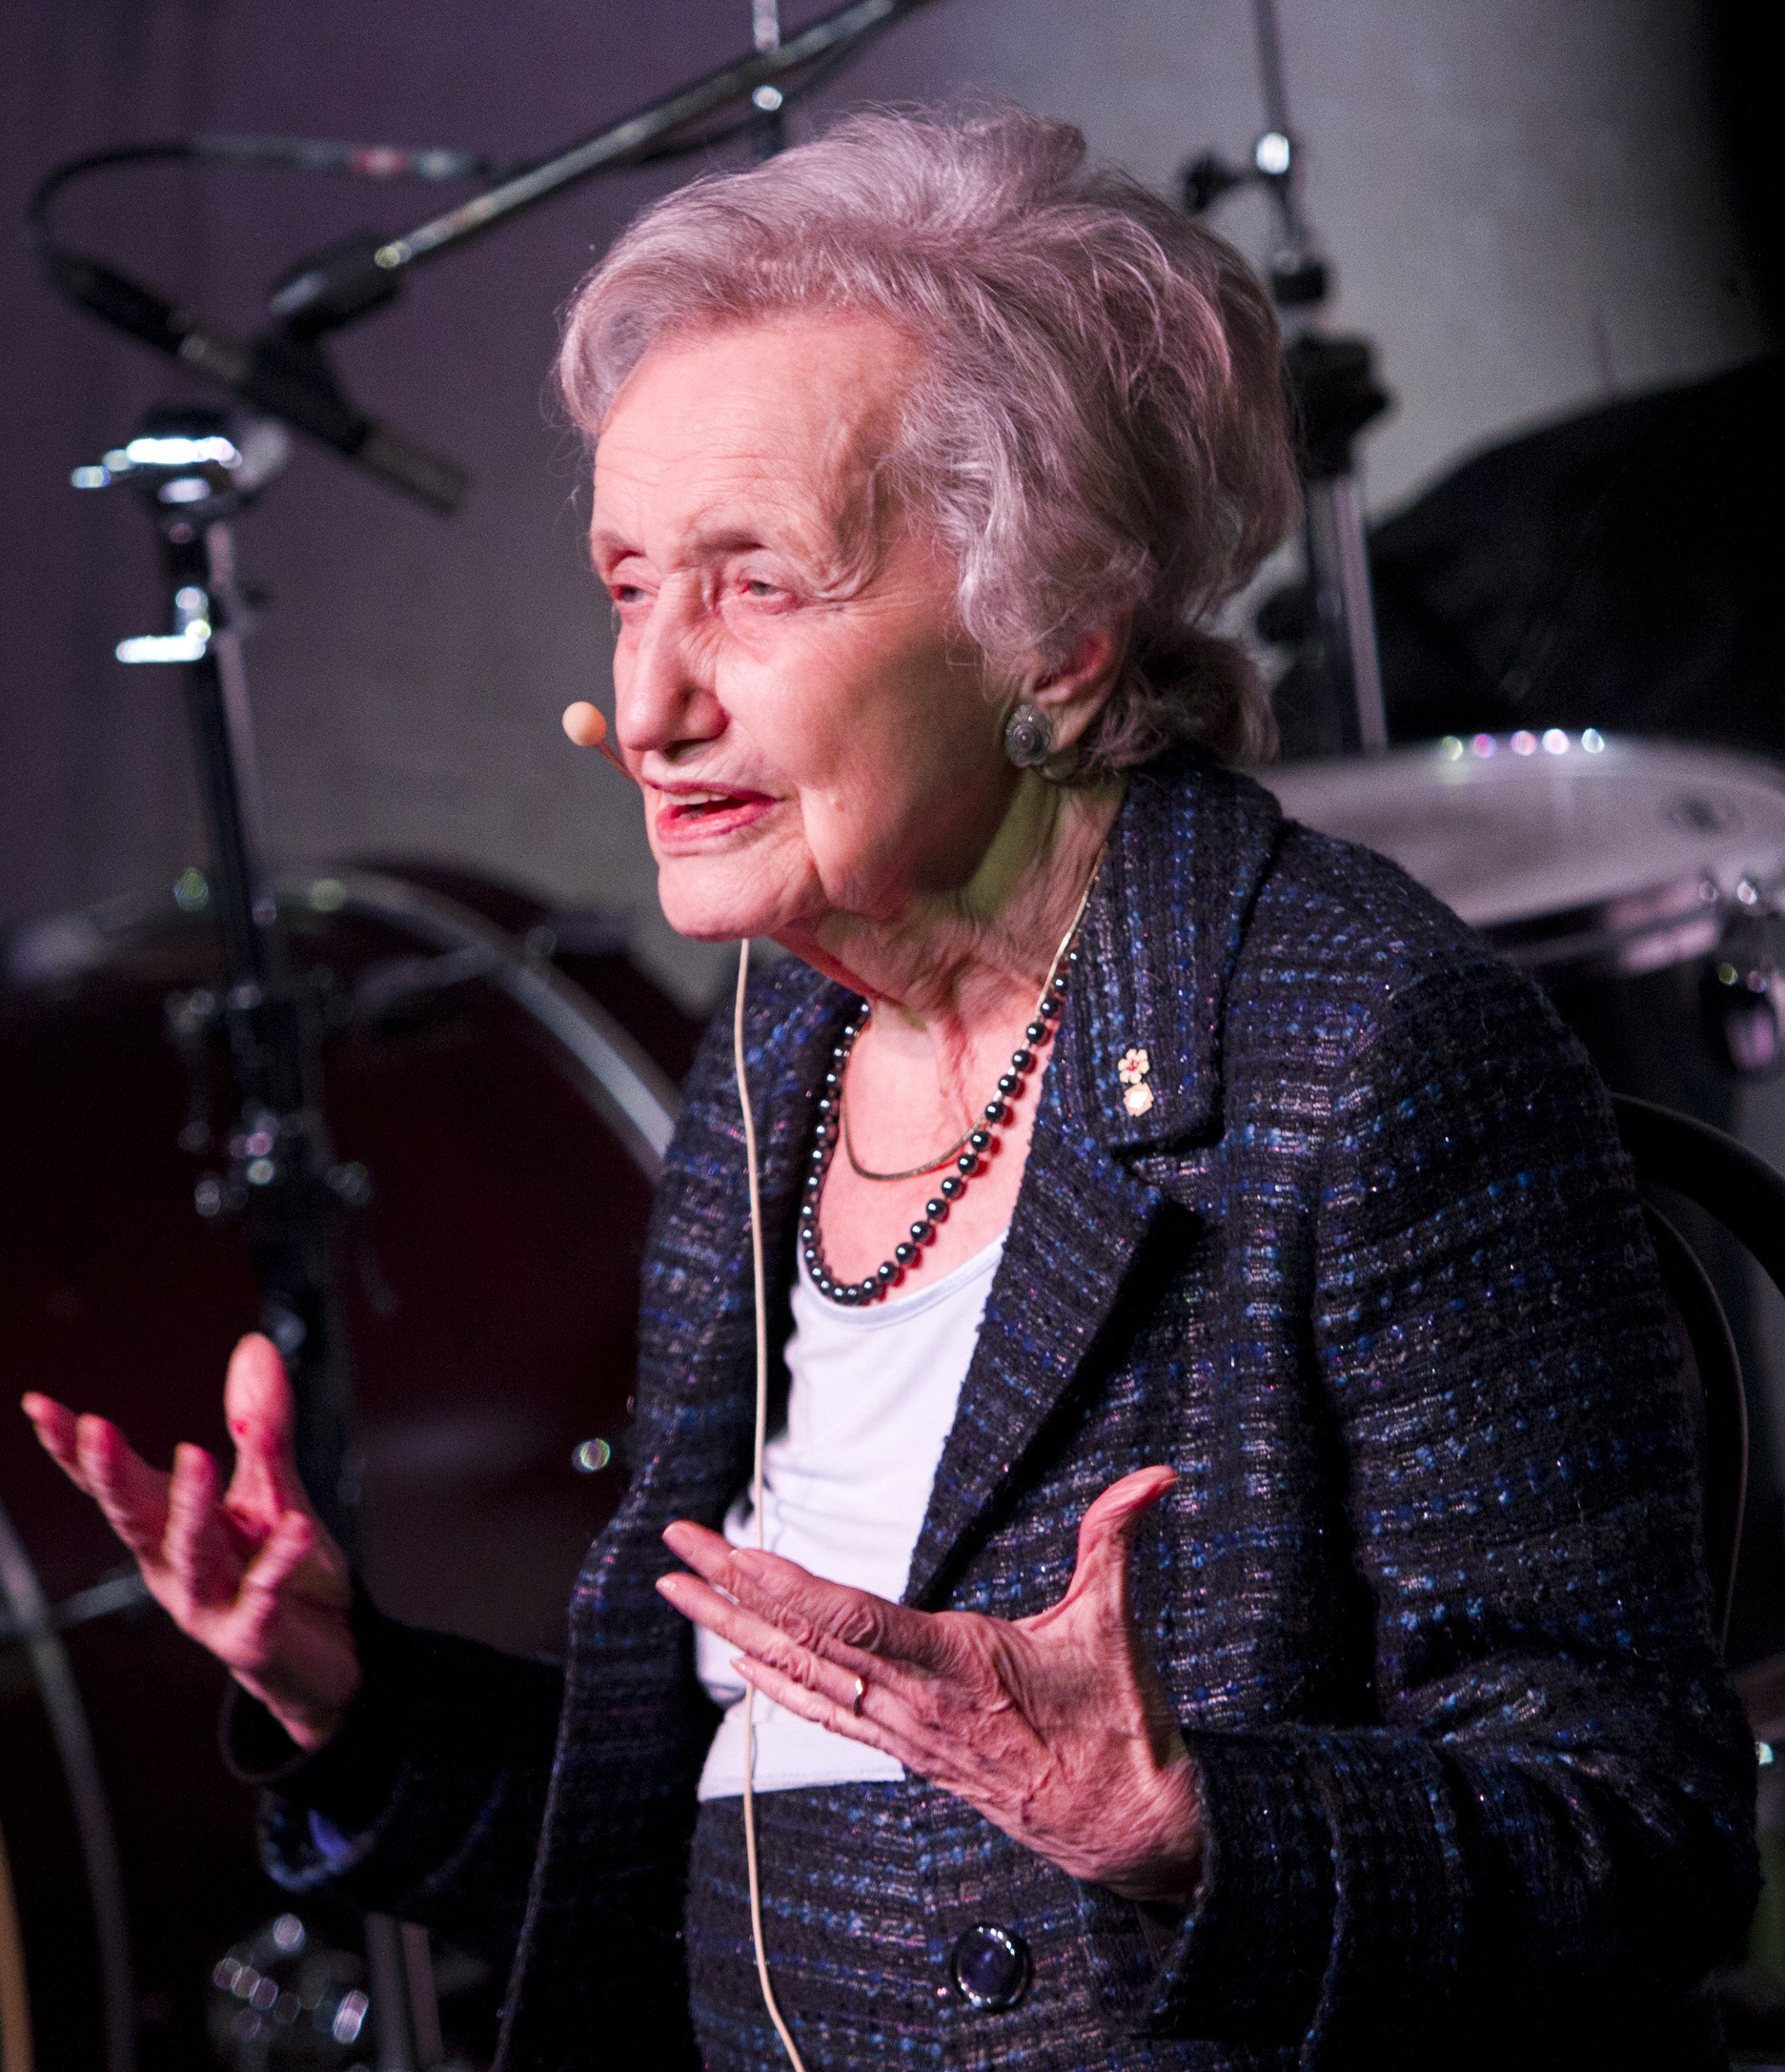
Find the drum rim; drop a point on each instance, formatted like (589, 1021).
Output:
(1453, 751)
(622, 1083)
(625, 1085)
(1635, 929)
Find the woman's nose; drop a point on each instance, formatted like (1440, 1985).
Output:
(664, 697)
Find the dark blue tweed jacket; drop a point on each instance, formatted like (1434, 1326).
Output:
(1427, 1596)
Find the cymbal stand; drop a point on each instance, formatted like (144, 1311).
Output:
(1335, 395)
(196, 469)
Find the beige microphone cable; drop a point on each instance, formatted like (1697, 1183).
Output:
(16, 2006)
(755, 1496)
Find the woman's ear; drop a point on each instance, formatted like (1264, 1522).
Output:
(1074, 692)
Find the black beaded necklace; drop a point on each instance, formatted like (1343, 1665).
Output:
(974, 1145)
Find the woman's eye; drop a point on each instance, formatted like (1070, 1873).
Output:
(762, 590)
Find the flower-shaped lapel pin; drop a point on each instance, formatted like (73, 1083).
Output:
(1131, 1070)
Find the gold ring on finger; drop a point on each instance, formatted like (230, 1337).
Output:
(861, 1691)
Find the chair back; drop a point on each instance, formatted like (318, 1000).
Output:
(1741, 1191)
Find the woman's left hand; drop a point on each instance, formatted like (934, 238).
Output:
(1056, 1728)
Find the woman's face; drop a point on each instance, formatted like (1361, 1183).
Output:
(812, 735)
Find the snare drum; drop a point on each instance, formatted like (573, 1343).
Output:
(1572, 852)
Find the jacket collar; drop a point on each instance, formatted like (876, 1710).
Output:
(1187, 857)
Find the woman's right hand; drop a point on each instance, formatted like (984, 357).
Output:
(250, 1573)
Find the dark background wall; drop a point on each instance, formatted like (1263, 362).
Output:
(1533, 206)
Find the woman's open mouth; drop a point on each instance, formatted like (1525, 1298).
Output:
(684, 818)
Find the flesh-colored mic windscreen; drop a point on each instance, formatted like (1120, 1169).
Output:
(585, 724)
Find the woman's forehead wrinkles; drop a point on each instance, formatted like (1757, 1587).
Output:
(759, 421)
(724, 498)
(718, 512)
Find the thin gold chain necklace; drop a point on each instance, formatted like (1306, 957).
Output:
(911, 1172)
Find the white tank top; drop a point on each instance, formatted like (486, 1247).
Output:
(845, 1490)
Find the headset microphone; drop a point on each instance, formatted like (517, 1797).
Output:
(587, 727)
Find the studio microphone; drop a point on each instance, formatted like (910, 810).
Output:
(283, 372)
(347, 280)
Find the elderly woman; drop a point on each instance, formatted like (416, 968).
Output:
(1231, 1593)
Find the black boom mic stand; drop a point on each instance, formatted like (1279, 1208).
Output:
(284, 372)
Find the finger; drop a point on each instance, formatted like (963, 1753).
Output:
(1106, 1538)
(922, 1715)
(794, 1599)
(325, 1582)
(271, 1570)
(262, 1417)
(132, 1494)
(801, 1652)
(821, 1708)
(53, 1423)
(195, 1548)
(934, 1743)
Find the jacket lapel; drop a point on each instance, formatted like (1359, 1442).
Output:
(1188, 852)
(1186, 857)
(1079, 1219)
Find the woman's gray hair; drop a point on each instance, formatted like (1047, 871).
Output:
(1099, 425)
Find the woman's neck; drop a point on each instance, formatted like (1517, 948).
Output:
(956, 969)
(954, 985)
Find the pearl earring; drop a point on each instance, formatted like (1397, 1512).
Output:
(1028, 735)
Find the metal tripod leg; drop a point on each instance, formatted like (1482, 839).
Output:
(403, 1998)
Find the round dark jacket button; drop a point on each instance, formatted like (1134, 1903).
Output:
(990, 1966)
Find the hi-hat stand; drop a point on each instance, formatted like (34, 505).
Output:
(196, 470)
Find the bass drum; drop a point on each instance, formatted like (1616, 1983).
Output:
(506, 1078)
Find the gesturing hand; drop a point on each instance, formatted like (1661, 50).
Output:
(249, 1574)
(1056, 1728)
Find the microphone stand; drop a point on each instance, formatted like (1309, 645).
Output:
(283, 372)
(196, 471)
(1334, 393)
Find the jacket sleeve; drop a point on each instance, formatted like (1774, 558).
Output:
(1549, 1803)
(429, 1803)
